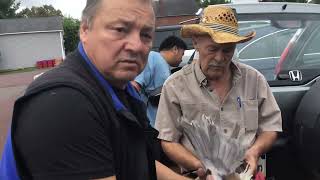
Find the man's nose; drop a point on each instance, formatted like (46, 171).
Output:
(134, 42)
(219, 57)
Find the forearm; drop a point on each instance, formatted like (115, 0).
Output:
(180, 155)
(263, 143)
(164, 173)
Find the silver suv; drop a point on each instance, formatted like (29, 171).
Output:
(287, 51)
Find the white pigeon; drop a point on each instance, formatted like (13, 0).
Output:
(219, 153)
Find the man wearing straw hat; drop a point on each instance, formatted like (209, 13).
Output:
(235, 95)
(83, 119)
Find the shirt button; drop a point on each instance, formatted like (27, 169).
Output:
(225, 131)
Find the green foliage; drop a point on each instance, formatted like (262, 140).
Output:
(8, 8)
(71, 33)
(42, 11)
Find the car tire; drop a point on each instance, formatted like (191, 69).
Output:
(307, 130)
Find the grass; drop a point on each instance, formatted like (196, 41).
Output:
(11, 71)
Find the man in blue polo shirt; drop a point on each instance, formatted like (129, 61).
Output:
(157, 70)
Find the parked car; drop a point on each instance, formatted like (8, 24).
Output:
(286, 51)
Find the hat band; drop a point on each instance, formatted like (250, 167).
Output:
(219, 27)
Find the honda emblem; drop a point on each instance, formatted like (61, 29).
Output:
(295, 75)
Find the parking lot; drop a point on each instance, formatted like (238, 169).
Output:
(11, 87)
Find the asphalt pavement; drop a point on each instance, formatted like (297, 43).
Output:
(11, 87)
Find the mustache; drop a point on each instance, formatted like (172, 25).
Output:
(214, 64)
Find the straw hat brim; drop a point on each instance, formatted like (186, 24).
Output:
(220, 37)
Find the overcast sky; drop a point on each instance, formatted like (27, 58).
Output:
(68, 7)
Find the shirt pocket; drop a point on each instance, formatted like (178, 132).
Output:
(194, 111)
(250, 108)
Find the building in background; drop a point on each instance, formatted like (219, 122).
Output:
(172, 12)
(25, 41)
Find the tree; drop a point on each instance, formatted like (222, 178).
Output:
(42, 11)
(71, 33)
(8, 8)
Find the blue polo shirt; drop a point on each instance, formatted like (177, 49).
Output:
(153, 76)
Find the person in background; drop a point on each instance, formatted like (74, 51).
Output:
(149, 82)
(235, 95)
(83, 119)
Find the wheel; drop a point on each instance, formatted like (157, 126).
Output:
(307, 130)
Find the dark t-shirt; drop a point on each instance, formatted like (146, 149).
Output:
(59, 135)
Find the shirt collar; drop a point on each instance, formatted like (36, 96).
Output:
(202, 80)
(235, 71)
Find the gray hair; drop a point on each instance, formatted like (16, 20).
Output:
(90, 11)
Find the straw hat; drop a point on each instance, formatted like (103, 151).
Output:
(220, 23)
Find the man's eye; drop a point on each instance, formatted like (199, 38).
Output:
(120, 29)
(228, 50)
(146, 35)
(212, 49)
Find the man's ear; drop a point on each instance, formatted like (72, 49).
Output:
(175, 49)
(195, 42)
(83, 31)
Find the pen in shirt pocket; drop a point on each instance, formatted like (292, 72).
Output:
(239, 102)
